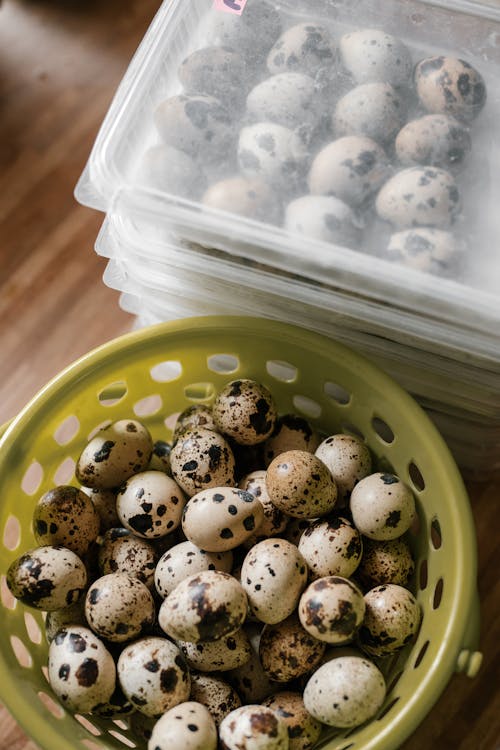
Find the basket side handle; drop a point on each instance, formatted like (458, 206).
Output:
(469, 660)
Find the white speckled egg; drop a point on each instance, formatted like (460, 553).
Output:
(221, 518)
(291, 432)
(305, 48)
(299, 484)
(150, 504)
(371, 55)
(331, 547)
(104, 502)
(273, 153)
(303, 729)
(392, 619)
(184, 560)
(252, 198)
(170, 170)
(273, 574)
(419, 196)
(66, 516)
(450, 86)
(426, 249)
(351, 168)
(323, 217)
(288, 651)
(160, 458)
(187, 726)
(81, 671)
(382, 506)
(121, 551)
(254, 727)
(331, 609)
(345, 692)
(119, 607)
(114, 454)
(215, 71)
(290, 99)
(250, 680)
(215, 694)
(386, 562)
(201, 458)
(246, 411)
(274, 522)
(252, 34)
(434, 140)
(192, 417)
(374, 110)
(348, 459)
(228, 652)
(153, 675)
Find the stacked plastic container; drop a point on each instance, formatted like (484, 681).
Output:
(330, 163)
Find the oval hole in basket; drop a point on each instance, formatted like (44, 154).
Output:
(67, 430)
(148, 406)
(438, 594)
(122, 738)
(436, 536)
(165, 372)
(7, 598)
(337, 393)
(307, 406)
(280, 370)
(416, 477)
(423, 575)
(32, 628)
(120, 723)
(32, 478)
(98, 428)
(392, 684)
(171, 420)
(12, 532)
(387, 708)
(86, 724)
(421, 655)
(223, 363)
(21, 653)
(382, 429)
(113, 393)
(351, 429)
(52, 707)
(200, 391)
(65, 471)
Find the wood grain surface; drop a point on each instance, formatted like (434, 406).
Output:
(60, 62)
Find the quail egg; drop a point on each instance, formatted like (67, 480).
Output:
(201, 458)
(374, 110)
(246, 411)
(104, 502)
(160, 459)
(171, 170)
(291, 432)
(331, 609)
(426, 249)
(273, 153)
(386, 562)
(184, 560)
(150, 504)
(348, 459)
(121, 551)
(215, 694)
(434, 140)
(250, 680)
(303, 729)
(274, 522)
(192, 417)
(248, 197)
(66, 516)
(215, 71)
(305, 48)
(252, 33)
(60, 619)
(119, 607)
(290, 99)
(187, 726)
(447, 85)
(254, 727)
(322, 217)
(371, 55)
(382, 506)
(223, 655)
(331, 547)
(299, 484)
(392, 619)
(288, 651)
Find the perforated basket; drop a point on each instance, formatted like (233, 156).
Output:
(153, 374)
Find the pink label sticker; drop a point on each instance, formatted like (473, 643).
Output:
(231, 6)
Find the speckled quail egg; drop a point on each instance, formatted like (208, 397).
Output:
(345, 692)
(273, 574)
(81, 671)
(305, 48)
(251, 33)
(351, 168)
(119, 607)
(221, 518)
(324, 218)
(374, 110)
(197, 124)
(171, 170)
(192, 417)
(391, 621)
(215, 694)
(273, 153)
(184, 560)
(160, 458)
(254, 727)
(386, 562)
(66, 516)
(348, 459)
(153, 675)
(331, 547)
(274, 522)
(382, 506)
(48, 578)
(246, 411)
(450, 86)
(250, 680)
(59, 619)
(288, 651)
(419, 196)
(291, 432)
(299, 484)
(248, 197)
(187, 726)
(105, 504)
(371, 55)
(150, 504)
(303, 729)
(215, 71)
(121, 551)
(434, 140)
(114, 454)
(201, 458)
(331, 609)
(290, 99)
(227, 653)
(426, 249)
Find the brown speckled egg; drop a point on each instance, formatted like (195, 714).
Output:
(114, 454)
(47, 578)
(288, 651)
(246, 411)
(193, 417)
(273, 574)
(436, 140)
(66, 516)
(275, 521)
(59, 619)
(160, 458)
(254, 727)
(153, 675)
(305, 48)
(150, 504)
(249, 197)
(382, 506)
(119, 607)
(331, 609)
(215, 694)
(105, 504)
(81, 672)
(331, 547)
(185, 559)
(187, 726)
(227, 653)
(202, 458)
(373, 55)
(303, 729)
(392, 619)
(426, 249)
(348, 459)
(374, 110)
(291, 432)
(123, 552)
(221, 518)
(215, 71)
(250, 680)
(299, 484)
(385, 562)
(450, 86)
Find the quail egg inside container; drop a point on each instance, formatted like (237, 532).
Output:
(290, 99)
(323, 217)
(371, 55)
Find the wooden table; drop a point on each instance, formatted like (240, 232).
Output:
(60, 62)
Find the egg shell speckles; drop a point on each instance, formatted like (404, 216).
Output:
(254, 727)
(371, 55)
(60, 619)
(290, 99)
(331, 609)
(193, 417)
(187, 726)
(215, 694)
(382, 506)
(332, 546)
(246, 411)
(349, 460)
(275, 521)
(160, 459)
(250, 680)
(214, 71)
(426, 249)
(221, 518)
(104, 502)
(450, 86)
(324, 218)
(306, 48)
(273, 574)
(392, 620)
(202, 458)
(114, 454)
(303, 729)
(227, 653)
(185, 559)
(119, 607)
(247, 197)
(252, 34)
(66, 516)
(47, 578)
(434, 140)
(273, 153)
(291, 432)
(153, 675)
(345, 692)
(299, 484)
(150, 504)
(374, 110)
(419, 196)
(121, 551)
(386, 562)
(81, 671)
(288, 651)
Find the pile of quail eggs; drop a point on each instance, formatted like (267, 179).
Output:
(242, 584)
(344, 138)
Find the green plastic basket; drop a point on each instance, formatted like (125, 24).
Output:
(153, 374)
